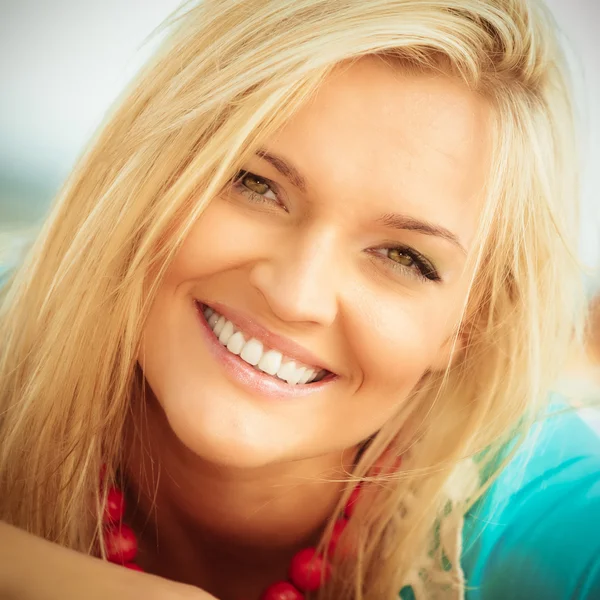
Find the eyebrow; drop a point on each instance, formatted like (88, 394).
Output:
(391, 220)
(285, 168)
(399, 221)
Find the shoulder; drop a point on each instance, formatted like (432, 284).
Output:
(536, 533)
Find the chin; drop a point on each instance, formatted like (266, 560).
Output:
(226, 430)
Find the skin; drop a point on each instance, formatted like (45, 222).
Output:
(243, 477)
(32, 568)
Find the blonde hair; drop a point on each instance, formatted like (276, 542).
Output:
(228, 76)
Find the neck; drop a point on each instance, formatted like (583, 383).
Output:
(199, 523)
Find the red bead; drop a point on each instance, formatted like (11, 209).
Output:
(351, 504)
(282, 590)
(115, 506)
(308, 570)
(121, 543)
(133, 567)
(378, 468)
(338, 529)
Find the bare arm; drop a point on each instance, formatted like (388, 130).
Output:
(34, 569)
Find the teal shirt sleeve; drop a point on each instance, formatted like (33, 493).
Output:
(536, 533)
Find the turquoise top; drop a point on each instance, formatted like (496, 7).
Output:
(536, 533)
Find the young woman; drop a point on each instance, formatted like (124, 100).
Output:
(298, 303)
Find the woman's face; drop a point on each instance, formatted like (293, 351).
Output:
(341, 248)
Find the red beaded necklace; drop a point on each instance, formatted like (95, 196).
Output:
(308, 569)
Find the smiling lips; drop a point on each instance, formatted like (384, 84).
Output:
(256, 354)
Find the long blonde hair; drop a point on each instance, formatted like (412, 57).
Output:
(229, 75)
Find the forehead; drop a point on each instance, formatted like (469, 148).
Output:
(411, 142)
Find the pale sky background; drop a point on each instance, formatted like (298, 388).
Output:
(62, 62)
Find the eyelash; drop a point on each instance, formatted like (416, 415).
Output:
(422, 269)
(237, 184)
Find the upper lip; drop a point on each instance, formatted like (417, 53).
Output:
(272, 340)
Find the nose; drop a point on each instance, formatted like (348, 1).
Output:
(298, 279)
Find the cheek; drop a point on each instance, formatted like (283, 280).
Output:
(399, 342)
(155, 356)
(170, 343)
(222, 239)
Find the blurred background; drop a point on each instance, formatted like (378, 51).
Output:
(63, 62)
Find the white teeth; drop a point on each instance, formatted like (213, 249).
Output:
(252, 352)
(297, 376)
(290, 373)
(219, 326)
(286, 370)
(308, 374)
(226, 333)
(236, 343)
(270, 362)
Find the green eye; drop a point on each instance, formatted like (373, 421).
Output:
(256, 184)
(256, 188)
(408, 261)
(400, 257)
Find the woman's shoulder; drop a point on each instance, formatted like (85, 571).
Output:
(536, 533)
